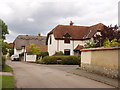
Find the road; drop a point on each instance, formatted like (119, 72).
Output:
(29, 75)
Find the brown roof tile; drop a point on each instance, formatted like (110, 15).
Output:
(76, 32)
(79, 47)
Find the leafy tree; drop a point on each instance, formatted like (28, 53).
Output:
(3, 32)
(34, 49)
(11, 52)
(4, 47)
(109, 33)
(3, 29)
(90, 44)
(111, 43)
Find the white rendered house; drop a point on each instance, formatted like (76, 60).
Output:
(22, 43)
(70, 38)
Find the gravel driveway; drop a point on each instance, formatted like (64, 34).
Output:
(28, 75)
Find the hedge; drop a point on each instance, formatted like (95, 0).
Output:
(68, 60)
(42, 54)
(3, 62)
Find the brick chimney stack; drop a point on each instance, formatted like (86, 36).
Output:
(71, 23)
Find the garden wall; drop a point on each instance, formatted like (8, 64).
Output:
(101, 60)
(30, 58)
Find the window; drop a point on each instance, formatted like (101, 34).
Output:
(50, 40)
(67, 52)
(67, 40)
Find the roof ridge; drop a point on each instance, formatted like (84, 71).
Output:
(73, 25)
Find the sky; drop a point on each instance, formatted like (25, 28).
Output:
(30, 17)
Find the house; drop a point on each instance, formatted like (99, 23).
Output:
(22, 43)
(71, 38)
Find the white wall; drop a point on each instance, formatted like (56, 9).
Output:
(30, 58)
(53, 46)
(59, 45)
(18, 51)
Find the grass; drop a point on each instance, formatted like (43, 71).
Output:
(7, 69)
(7, 81)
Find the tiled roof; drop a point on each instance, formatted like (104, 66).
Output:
(23, 40)
(76, 32)
(79, 47)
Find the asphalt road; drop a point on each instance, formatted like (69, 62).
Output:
(28, 75)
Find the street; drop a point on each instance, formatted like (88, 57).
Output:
(30, 75)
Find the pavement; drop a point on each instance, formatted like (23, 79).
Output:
(96, 77)
(29, 75)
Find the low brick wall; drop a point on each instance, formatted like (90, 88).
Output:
(104, 61)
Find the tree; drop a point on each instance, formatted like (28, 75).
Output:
(111, 43)
(3, 29)
(90, 44)
(4, 47)
(3, 32)
(11, 52)
(34, 49)
(109, 33)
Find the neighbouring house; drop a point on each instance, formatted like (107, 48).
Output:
(70, 39)
(22, 42)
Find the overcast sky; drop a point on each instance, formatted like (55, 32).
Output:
(34, 16)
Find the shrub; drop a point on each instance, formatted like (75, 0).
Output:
(3, 62)
(42, 54)
(68, 60)
(71, 60)
(111, 43)
(49, 60)
(11, 52)
(58, 53)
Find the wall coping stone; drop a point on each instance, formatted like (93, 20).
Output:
(100, 49)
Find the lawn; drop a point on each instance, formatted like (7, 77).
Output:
(7, 81)
(7, 69)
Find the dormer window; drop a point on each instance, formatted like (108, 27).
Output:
(66, 35)
(66, 38)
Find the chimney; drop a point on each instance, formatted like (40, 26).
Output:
(71, 23)
(39, 34)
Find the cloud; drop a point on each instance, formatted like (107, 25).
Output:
(30, 19)
(34, 16)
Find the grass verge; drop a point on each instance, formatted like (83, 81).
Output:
(7, 69)
(7, 81)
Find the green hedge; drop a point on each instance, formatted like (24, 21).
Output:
(68, 60)
(43, 54)
(3, 62)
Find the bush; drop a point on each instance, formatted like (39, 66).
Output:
(49, 60)
(58, 53)
(3, 62)
(68, 60)
(42, 54)
(39, 61)
(71, 60)
(11, 52)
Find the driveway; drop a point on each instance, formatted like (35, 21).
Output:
(29, 75)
